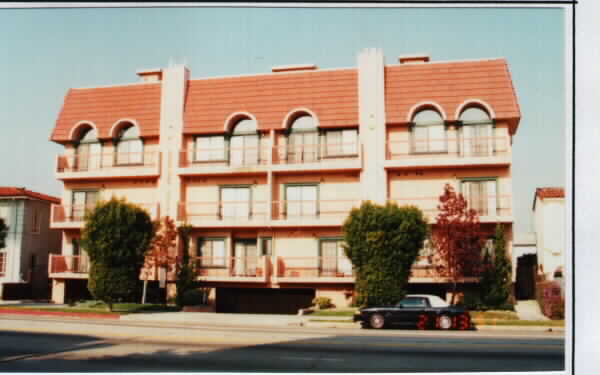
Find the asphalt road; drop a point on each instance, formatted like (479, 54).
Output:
(54, 345)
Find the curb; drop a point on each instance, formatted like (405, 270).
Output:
(58, 314)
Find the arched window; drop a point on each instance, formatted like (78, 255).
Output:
(88, 152)
(428, 132)
(303, 141)
(476, 132)
(129, 146)
(244, 143)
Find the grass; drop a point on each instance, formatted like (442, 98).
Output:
(97, 307)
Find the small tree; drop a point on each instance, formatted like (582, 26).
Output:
(496, 278)
(186, 273)
(3, 233)
(382, 242)
(161, 253)
(116, 237)
(457, 238)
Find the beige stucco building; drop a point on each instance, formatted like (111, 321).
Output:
(266, 167)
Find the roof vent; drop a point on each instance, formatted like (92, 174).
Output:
(293, 68)
(150, 75)
(413, 59)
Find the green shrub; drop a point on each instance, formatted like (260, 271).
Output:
(322, 302)
(194, 297)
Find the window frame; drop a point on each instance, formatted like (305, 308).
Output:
(261, 241)
(482, 179)
(426, 125)
(200, 240)
(290, 131)
(325, 145)
(300, 184)
(86, 191)
(120, 140)
(339, 242)
(225, 158)
(87, 143)
(237, 186)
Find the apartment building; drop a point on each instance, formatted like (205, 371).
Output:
(266, 167)
(29, 241)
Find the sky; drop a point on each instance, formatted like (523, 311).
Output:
(47, 51)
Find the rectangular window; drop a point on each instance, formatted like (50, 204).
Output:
(211, 252)
(130, 152)
(83, 201)
(481, 196)
(341, 142)
(333, 260)
(210, 148)
(301, 200)
(36, 224)
(477, 140)
(266, 245)
(245, 257)
(3, 261)
(235, 202)
(429, 138)
(244, 150)
(303, 147)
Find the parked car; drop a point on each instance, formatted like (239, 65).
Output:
(421, 310)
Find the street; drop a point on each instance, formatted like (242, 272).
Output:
(55, 345)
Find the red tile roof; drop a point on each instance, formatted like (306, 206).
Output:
(104, 106)
(450, 84)
(550, 192)
(331, 94)
(10, 191)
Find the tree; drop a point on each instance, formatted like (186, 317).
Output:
(3, 233)
(186, 273)
(457, 238)
(496, 283)
(161, 255)
(382, 242)
(116, 237)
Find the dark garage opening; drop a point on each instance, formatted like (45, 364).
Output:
(263, 301)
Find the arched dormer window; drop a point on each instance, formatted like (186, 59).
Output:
(477, 132)
(129, 147)
(244, 143)
(303, 141)
(428, 132)
(88, 150)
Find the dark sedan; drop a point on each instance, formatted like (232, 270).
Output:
(420, 310)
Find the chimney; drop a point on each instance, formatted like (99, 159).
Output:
(150, 75)
(293, 68)
(413, 59)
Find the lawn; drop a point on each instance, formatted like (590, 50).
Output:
(97, 307)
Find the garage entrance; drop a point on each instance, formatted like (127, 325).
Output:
(263, 301)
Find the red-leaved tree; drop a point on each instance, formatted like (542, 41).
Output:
(162, 254)
(457, 238)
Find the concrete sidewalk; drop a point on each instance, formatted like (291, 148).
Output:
(217, 319)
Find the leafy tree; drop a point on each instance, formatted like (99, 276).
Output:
(496, 284)
(116, 237)
(161, 252)
(382, 242)
(457, 238)
(3, 233)
(186, 274)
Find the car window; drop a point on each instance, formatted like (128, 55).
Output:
(413, 302)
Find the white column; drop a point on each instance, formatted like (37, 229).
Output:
(371, 106)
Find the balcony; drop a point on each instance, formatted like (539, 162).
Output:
(331, 212)
(490, 208)
(227, 160)
(314, 270)
(108, 165)
(73, 216)
(481, 151)
(68, 266)
(233, 269)
(317, 157)
(218, 214)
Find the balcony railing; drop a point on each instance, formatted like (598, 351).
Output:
(231, 156)
(314, 153)
(442, 147)
(76, 213)
(314, 267)
(313, 209)
(233, 210)
(103, 161)
(69, 264)
(489, 205)
(231, 267)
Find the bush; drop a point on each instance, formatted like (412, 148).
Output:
(194, 297)
(322, 302)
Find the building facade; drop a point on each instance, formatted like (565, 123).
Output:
(266, 167)
(549, 223)
(29, 241)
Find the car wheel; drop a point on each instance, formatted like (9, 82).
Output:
(377, 321)
(444, 322)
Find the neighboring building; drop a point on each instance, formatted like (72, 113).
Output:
(24, 260)
(549, 223)
(266, 167)
(524, 265)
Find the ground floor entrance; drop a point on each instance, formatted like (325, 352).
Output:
(263, 301)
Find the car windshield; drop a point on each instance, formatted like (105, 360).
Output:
(436, 301)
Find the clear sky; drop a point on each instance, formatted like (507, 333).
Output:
(44, 52)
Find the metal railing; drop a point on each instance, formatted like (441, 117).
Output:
(323, 208)
(238, 266)
(77, 212)
(313, 153)
(68, 263)
(311, 267)
(231, 156)
(442, 147)
(488, 205)
(102, 161)
(232, 210)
